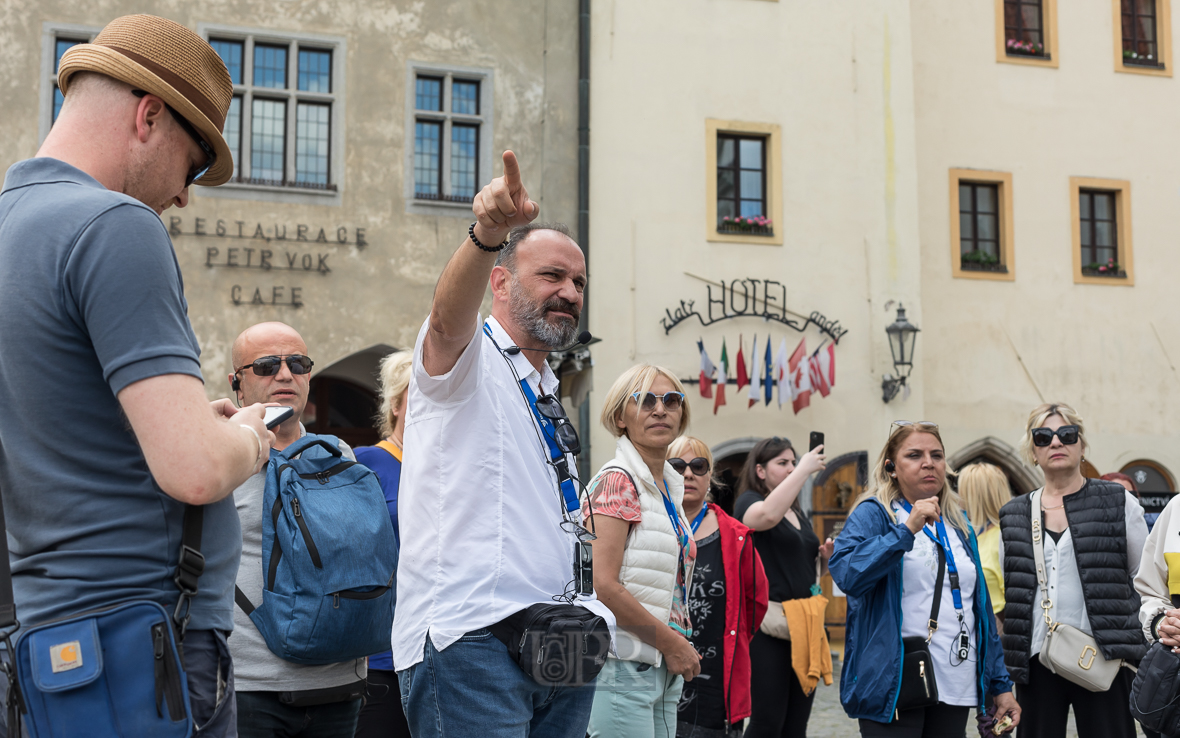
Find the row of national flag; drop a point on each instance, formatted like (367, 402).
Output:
(796, 376)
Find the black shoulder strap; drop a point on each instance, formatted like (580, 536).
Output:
(8, 621)
(933, 623)
(189, 566)
(243, 601)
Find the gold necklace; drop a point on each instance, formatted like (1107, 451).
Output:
(1058, 507)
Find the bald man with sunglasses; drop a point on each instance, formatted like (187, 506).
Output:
(275, 696)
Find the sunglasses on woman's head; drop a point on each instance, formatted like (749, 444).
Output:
(1044, 436)
(923, 424)
(699, 465)
(672, 400)
(268, 366)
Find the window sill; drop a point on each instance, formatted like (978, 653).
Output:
(1130, 66)
(1120, 274)
(764, 239)
(439, 208)
(1032, 60)
(238, 189)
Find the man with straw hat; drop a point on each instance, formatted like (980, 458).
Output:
(98, 348)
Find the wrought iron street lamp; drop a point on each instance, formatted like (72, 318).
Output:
(902, 336)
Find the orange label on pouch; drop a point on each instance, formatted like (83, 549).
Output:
(65, 656)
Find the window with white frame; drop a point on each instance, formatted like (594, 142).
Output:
(282, 121)
(449, 125)
(57, 39)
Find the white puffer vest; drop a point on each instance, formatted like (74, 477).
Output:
(652, 552)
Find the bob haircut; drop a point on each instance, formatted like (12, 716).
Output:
(886, 490)
(638, 378)
(395, 378)
(1037, 418)
(984, 490)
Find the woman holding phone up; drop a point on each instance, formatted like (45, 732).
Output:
(768, 502)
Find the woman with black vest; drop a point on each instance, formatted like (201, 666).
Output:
(1092, 541)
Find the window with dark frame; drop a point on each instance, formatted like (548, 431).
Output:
(268, 93)
(1098, 215)
(741, 185)
(1140, 40)
(60, 46)
(1024, 28)
(979, 228)
(446, 137)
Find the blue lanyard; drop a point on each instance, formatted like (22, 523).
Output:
(945, 542)
(568, 491)
(674, 517)
(700, 518)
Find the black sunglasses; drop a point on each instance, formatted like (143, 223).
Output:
(268, 366)
(672, 400)
(699, 465)
(196, 172)
(563, 430)
(1044, 436)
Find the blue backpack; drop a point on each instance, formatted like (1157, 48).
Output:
(329, 557)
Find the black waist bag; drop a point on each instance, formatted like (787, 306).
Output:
(1155, 693)
(556, 645)
(918, 687)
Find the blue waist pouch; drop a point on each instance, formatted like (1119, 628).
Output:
(110, 672)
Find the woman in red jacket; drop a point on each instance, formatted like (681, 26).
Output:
(726, 603)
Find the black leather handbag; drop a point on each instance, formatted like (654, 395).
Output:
(918, 685)
(1155, 693)
(558, 645)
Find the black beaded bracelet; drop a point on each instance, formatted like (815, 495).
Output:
(474, 240)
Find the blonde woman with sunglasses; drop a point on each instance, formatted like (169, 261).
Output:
(908, 561)
(643, 558)
(726, 602)
(1093, 543)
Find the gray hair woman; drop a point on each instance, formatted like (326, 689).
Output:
(1095, 534)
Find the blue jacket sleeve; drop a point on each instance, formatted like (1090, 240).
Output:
(868, 547)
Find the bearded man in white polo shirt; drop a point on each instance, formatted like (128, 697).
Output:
(482, 507)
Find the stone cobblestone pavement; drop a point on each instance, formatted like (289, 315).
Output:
(829, 721)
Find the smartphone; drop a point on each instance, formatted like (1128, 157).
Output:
(817, 439)
(276, 415)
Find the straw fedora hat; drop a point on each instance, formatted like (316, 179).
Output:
(170, 61)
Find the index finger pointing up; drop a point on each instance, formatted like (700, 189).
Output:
(511, 171)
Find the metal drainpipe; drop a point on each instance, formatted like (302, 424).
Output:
(584, 203)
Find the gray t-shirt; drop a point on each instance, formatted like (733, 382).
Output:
(91, 301)
(256, 667)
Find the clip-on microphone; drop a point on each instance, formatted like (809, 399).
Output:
(583, 338)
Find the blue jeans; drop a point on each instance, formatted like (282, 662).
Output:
(473, 689)
(261, 715)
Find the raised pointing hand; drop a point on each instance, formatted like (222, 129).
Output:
(503, 204)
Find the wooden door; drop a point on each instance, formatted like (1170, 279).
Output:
(835, 490)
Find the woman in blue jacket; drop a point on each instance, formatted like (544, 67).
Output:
(887, 561)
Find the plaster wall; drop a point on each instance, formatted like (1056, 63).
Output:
(378, 293)
(838, 80)
(994, 350)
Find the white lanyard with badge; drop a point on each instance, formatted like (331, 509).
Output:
(961, 647)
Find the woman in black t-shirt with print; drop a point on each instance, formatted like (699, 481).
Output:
(768, 502)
